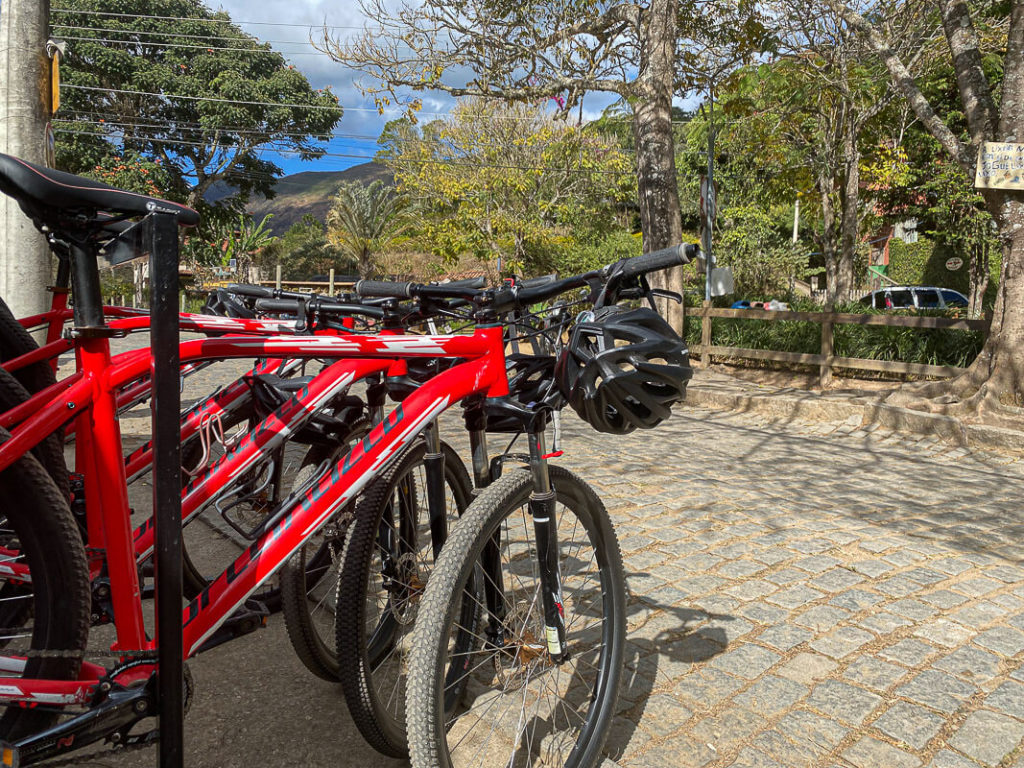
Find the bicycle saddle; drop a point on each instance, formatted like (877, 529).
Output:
(42, 192)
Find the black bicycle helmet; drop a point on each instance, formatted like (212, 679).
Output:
(623, 369)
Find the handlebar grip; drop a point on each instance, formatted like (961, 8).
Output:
(384, 289)
(277, 305)
(255, 291)
(470, 282)
(675, 256)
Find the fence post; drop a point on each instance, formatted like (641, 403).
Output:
(277, 278)
(825, 374)
(330, 278)
(705, 336)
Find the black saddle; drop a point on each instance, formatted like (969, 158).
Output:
(56, 198)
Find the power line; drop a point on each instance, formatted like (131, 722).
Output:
(74, 11)
(194, 47)
(207, 98)
(178, 35)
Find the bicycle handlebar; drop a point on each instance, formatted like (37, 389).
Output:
(296, 306)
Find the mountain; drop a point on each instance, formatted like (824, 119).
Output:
(307, 192)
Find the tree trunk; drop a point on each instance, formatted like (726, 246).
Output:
(827, 239)
(657, 188)
(844, 284)
(979, 274)
(24, 112)
(1000, 365)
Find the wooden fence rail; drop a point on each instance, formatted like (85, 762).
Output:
(826, 360)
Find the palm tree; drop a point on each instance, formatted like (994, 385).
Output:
(364, 220)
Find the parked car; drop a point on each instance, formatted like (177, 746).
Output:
(914, 297)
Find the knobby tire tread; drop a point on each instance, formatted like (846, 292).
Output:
(354, 669)
(40, 517)
(427, 662)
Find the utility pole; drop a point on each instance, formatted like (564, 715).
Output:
(710, 199)
(25, 94)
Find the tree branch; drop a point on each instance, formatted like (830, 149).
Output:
(975, 93)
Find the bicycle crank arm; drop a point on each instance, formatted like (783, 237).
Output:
(110, 719)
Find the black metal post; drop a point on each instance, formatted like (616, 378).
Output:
(165, 368)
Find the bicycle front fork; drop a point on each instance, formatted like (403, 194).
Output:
(545, 527)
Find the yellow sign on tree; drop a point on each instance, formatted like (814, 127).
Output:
(1000, 166)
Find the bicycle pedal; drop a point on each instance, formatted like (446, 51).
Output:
(9, 756)
(252, 615)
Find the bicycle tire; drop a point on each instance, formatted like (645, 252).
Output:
(56, 601)
(439, 741)
(50, 450)
(15, 341)
(376, 609)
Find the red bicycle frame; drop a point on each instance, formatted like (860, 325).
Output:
(482, 373)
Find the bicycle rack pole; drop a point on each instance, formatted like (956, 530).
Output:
(165, 369)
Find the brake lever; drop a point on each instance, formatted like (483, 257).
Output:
(663, 293)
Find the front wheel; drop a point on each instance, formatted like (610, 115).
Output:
(519, 707)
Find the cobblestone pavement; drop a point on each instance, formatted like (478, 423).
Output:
(814, 595)
(801, 595)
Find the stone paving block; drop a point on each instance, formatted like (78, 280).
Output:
(747, 661)
(925, 576)
(810, 728)
(844, 702)
(855, 600)
(784, 751)
(910, 724)
(912, 653)
(752, 758)
(752, 589)
(978, 614)
(911, 609)
(682, 752)
(762, 613)
(1008, 699)
(897, 586)
(821, 618)
(663, 714)
(978, 587)
(1006, 573)
(951, 566)
(1003, 640)
(738, 569)
(872, 753)
(812, 546)
(771, 555)
(795, 596)
(786, 576)
(903, 557)
(1011, 602)
(771, 694)
(727, 730)
(807, 668)
(625, 739)
(944, 633)
(836, 580)
(971, 664)
(874, 673)
(948, 759)
(784, 636)
(705, 687)
(988, 736)
(937, 690)
(815, 563)
(872, 568)
(842, 642)
(943, 598)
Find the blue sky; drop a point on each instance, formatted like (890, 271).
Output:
(287, 24)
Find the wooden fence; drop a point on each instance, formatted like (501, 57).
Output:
(826, 360)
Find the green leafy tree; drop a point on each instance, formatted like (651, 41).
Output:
(191, 91)
(763, 261)
(508, 182)
(365, 220)
(993, 110)
(304, 252)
